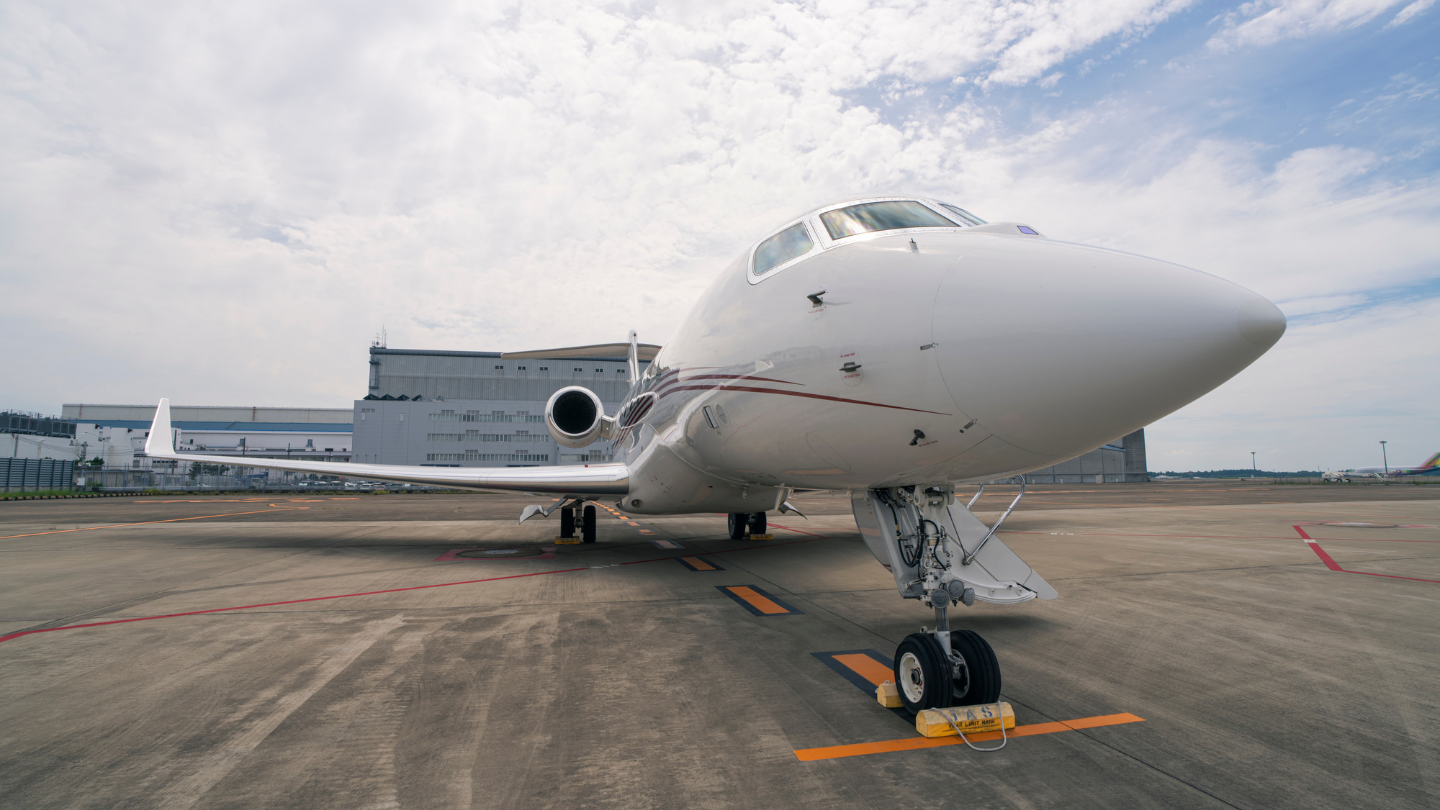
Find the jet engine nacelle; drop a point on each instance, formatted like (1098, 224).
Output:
(575, 417)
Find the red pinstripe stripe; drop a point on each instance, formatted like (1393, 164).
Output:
(795, 394)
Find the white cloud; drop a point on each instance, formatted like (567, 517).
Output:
(258, 177)
(1321, 399)
(1410, 12)
(1265, 22)
(1316, 224)
(222, 205)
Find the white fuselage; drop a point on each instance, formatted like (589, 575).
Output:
(833, 359)
(1008, 353)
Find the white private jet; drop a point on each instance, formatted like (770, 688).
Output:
(891, 347)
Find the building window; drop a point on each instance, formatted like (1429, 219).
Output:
(472, 455)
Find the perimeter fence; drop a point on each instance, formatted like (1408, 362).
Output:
(35, 474)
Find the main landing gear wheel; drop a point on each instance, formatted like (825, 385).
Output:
(567, 522)
(587, 529)
(978, 681)
(922, 673)
(757, 523)
(738, 523)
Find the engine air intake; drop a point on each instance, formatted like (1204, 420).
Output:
(575, 417)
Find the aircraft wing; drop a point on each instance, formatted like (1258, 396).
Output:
(588, 480)
(645, 351)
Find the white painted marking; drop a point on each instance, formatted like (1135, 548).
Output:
(666, 544)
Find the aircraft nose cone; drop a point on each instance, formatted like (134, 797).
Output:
(1261, 322)
(1059, 348)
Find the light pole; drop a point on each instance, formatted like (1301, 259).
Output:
(1253, 468)
(1384, 457)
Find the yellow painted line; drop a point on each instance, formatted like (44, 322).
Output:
(867, 667)
(646, 531)
(757, 601)
(699, 564)
(916, 743)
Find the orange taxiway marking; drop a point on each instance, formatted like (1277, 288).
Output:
(867, 667)
(759, 602)
(915, 743)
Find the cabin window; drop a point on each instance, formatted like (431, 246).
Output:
(881, 216)
(790, 243)
(965, 216)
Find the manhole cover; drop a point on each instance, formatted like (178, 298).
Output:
(1364, 525)
(503, 553)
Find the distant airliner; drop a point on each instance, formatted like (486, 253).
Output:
(1430, 467)
(891, 347)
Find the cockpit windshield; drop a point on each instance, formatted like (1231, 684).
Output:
(782, 247)
(881, 216)
(964, 215)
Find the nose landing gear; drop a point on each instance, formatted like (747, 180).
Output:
(946, 668)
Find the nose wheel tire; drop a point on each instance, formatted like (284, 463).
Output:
(587, 529)
(757, 523)
(979, 680)
(567, 522)
(738, 522)
(922, 673)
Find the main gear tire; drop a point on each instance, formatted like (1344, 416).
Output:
(922, 673)
(978, 681)
(567, 522)
(739, 521)
(757, 523)
(587, 529)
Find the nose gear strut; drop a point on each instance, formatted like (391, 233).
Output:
(941, 554)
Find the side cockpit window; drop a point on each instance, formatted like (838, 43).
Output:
(881, 216)
(791, 243)
(965, 216)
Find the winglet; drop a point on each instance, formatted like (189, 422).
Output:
(160, 442)
(634, 356)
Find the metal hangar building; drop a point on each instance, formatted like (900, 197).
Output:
(475, 409)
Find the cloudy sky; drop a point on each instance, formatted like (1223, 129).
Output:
(224, 203)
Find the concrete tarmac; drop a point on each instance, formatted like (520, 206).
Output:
(343, 651)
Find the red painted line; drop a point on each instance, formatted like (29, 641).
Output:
(813, 538)
(1235, 536)
(286, 602)
(797, 531)
(148, 522)
(1334, 566)
(1391, 576)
